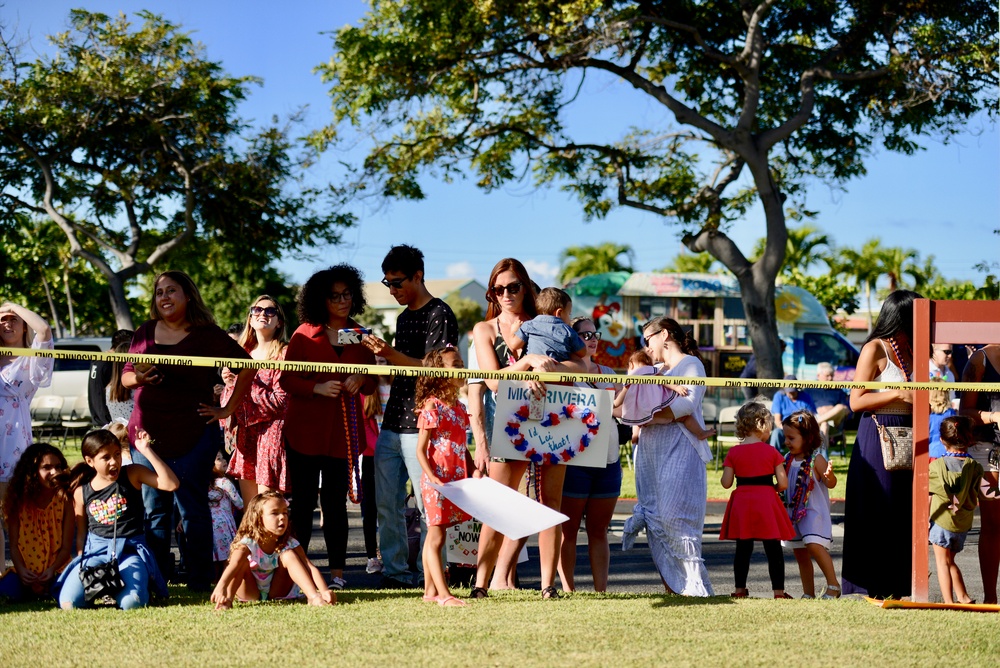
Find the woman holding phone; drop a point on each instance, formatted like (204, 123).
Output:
(324, 425)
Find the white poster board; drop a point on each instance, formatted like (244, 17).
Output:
(506, 510)
(577, 428)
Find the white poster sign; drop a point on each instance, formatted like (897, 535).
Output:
(576, 426)
(506, 510)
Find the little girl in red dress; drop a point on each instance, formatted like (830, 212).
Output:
(755, 512)
(442, 423)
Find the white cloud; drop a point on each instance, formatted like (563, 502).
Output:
(460, 270)
(542, 273)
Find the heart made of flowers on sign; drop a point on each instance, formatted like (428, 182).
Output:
(522, 443)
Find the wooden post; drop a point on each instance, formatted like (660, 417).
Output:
(922, 317)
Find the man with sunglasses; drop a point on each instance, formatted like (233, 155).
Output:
(426, 323)
(941, 367)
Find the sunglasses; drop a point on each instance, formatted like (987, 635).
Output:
(587, 336)
(336, 297)
(269, 311)
(395, 284)
(645, 338)
(511, 288)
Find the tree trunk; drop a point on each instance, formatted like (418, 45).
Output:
(52, 309)
(119, 304)
(69, 302)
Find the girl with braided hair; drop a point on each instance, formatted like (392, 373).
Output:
(807, 498)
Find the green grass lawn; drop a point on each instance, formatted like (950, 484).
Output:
(515, 628)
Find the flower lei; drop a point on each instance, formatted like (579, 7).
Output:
(803, 485)
(571, 411)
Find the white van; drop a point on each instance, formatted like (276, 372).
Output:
(69, 376)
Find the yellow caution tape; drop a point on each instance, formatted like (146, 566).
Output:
(479, 374)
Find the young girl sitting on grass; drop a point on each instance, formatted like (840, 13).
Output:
(807, 498)
(953, 482)
(38, 512)
(441, 451)
(107, 502)
(266, 562)
(754, 511)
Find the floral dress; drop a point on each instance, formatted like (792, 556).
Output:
(222, 498)
(255, 432)
(19, 380)
(447, 454)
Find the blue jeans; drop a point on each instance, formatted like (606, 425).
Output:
(134, 595)
(778, 438)
(395, 462)
(194, 470)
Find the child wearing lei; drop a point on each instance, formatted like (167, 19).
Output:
(808, 503)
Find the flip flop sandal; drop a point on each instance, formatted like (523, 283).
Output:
(451, 602)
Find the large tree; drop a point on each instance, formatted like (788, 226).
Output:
(129, 130)
(756, 99)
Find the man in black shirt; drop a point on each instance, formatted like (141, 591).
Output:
(100, 376)
(426, 323)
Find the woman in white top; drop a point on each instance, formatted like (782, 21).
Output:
(671, 481)
(20, 378)
(879, 503)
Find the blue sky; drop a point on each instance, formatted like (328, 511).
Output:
(943, 201)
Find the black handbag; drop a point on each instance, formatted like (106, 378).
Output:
(104, 580)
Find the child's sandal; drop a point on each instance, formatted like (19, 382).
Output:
(450, 602)
(550, 592)
(479, 592)
(831, 588)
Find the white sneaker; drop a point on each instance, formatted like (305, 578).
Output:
(374, 566)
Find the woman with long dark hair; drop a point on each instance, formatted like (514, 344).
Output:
(173, 402)
(879, 503)
(670, 477)
(324, 425)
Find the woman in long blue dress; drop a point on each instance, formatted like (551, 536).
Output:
(670, 476)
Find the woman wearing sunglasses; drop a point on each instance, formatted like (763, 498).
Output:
(325, 426)
(670, 477)
(256, 429)
(590, 491)
(511, 303)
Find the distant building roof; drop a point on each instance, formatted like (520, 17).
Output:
(379, 298)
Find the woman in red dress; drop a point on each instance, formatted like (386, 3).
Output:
(256, 428)
(755, 512)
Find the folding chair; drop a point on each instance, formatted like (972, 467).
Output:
(725, 432)
(78, 418)
(46, 414)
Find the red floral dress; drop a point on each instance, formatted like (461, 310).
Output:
(446, 452)
(755, 511)
(255, 432)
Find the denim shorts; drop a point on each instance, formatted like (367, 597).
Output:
(946, 539)
(585, 482)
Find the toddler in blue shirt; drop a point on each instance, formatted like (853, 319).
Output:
(549, 333)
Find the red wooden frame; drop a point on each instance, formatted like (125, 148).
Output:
(938, 321)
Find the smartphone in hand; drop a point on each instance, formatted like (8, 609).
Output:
(351, 335)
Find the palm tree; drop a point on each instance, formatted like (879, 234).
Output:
(895, 262)
(865, 267)
(577, 261)
(800, 250)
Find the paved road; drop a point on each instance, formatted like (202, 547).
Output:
(633, 571)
